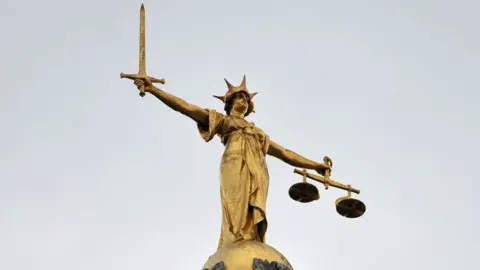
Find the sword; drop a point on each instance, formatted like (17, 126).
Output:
(142, 71)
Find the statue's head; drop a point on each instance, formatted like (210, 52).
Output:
(238, 99)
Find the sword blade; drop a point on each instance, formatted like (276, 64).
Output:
(142, 64)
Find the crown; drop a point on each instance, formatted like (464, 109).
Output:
(232, 90)
(235, 89)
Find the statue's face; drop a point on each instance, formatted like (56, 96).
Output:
(240, 103)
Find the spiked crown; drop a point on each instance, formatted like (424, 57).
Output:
(232, 90)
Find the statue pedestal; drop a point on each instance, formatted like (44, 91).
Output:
(247, 255)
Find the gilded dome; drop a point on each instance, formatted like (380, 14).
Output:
(247, 255)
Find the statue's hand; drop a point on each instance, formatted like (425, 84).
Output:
(324, 167)
(145, 83)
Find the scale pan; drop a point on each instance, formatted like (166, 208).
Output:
(350, 207)
(304, 192)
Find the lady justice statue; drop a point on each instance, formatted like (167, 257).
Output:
(244, 174)
(243, 171)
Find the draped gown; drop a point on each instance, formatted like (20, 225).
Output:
(244, 177)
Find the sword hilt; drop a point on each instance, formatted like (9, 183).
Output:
(139, 76)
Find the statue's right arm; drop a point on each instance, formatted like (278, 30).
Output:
(194, 112)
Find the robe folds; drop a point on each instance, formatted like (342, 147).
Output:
(244, 177)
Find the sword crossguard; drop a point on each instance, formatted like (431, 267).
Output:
(140, 76)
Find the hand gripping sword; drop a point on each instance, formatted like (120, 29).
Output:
(142, 72)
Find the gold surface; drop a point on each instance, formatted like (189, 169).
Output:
(326, 181)
(240, 255)
(142, 69)
(142, 66)
(244, 175)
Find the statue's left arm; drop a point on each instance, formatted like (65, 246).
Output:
(295, 159)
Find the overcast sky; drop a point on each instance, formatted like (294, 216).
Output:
(94, 177)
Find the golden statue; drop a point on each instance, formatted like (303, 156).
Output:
(244, 173)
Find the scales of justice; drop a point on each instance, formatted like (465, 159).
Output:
(244, 176)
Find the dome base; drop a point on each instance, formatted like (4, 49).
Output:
(247, 255)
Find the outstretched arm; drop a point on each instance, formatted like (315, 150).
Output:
(295, 159)
(194, 112)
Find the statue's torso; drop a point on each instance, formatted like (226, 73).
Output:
(235, 126)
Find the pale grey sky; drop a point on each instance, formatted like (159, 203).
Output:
(94, 177)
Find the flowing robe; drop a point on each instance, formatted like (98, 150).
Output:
(244, 177)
